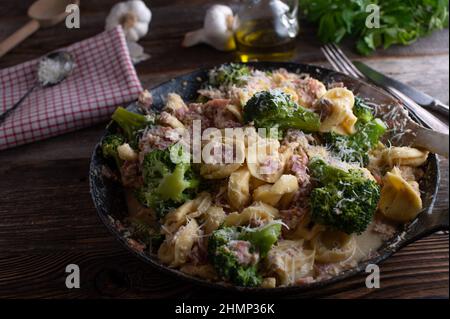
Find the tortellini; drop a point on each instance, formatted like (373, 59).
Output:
(170, 120)
(222, 169)
(306, 229)
(239, 188)
(400, 200)
(191, 209)
(174, 102)
(258, 212)
(290, 261)
(271, 194)
(126, 153)
(265, 162)
(404, 156)
(269, 282)
(206, 271)
(334, 246)
(176, 248)
(213, 218)
(337, 108)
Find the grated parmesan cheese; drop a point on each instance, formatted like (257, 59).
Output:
(52, 71)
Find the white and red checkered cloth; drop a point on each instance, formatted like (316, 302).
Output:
(103, 79)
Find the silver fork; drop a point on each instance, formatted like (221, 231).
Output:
(436, 141)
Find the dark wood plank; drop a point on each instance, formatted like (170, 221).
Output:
(47, 219)
(171, 19)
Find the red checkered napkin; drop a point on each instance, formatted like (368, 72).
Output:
(103, 78)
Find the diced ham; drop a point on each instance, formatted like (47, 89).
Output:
(216, 111)
(194, 112)
(199, 251)
(145, 100)
(135, 245)
(270, 165)
(158, 137)
(212, 93)
(241, 249)
(292, 216)
(298, 165)
(130, 173)
(309, 90)
(323, 107)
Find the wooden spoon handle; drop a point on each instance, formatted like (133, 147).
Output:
(17, 37)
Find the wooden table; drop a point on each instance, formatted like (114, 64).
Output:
(47, 219)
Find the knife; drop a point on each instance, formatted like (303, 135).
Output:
(384, 81)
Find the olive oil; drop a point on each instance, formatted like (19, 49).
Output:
(264, 40)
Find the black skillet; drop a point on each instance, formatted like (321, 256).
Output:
(110, 203)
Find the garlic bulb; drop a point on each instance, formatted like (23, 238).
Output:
(137, 53)
(133, 16)
(217, 29)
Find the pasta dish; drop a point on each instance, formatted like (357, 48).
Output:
(265, 179)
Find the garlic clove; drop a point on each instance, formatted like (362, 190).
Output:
(139, 7)
(217, 29)
(133, 16)
(193, 38)
(137, 53)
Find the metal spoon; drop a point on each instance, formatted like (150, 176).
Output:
(63, 58)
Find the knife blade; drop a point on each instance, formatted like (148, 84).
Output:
(384, 81)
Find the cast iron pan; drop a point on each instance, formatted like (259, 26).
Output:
(110, 202)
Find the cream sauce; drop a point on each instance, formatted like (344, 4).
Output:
(366, 244)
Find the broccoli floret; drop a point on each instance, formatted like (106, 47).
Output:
(228, 267)
(263, 238)
(222, 236)
(131, 123)
(224, 259)
(109, 147)
(345, 201)
(166, 184)
(362, 111)
(276, 109)
(355, 148)
(228, 75)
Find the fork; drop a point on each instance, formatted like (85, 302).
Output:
(435, 140)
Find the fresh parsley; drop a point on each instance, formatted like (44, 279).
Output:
(401, 21)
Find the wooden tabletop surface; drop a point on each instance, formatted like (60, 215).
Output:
(47, 218)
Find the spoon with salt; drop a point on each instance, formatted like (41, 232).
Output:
(52, 69)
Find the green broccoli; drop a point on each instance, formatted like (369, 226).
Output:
(345, 201)
(275, 109)
(263, 238)
(224, 259)
(109, 147)
(166, 184)
(131, 123)
(228, 267)
(226, 262)
(355, 148)
(228, 75)
(362, 111)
